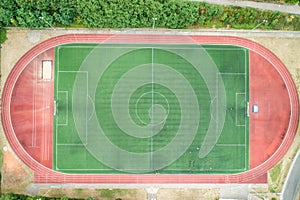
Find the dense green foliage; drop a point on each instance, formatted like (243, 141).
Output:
(138, 14)
(36, 13)
(2, 40)
(292, 1)
(11, 196)
(245, 18)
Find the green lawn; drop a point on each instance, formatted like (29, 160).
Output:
(118, 103)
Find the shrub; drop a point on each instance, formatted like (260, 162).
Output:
(291, 1)
(2, 35)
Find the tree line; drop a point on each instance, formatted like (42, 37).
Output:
(175, 14)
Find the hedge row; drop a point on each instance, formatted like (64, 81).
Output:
(138, 14)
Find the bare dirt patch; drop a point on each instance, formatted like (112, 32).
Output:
(192, 194)
(282, 168)
(15, 177)
(287, 50)
(97, 194)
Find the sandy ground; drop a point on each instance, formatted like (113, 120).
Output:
(15, 176)
(97, 194)
(287, 49)
(191, 194)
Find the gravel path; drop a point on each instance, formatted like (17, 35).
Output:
(293, 9)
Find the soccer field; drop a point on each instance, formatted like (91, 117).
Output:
(170, 109)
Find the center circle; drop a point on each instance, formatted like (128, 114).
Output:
(150, 99)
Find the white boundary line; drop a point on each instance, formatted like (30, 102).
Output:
(96, 170)
(247, 147)
(230, 145)
(152, 103)
(64, 71)
(86, 109)
(165, 170)
(70, 144)
(152, 47)
(231, 73)
(217, 116)
(56, 73)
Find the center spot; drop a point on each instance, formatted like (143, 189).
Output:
(157, 114)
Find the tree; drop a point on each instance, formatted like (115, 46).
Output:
(66, 12)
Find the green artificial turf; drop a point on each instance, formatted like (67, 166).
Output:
(151, 100)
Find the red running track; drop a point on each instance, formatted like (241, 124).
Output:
(271, 131)
(31, 110)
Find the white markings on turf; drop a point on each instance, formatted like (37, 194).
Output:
(93, 107)
(66, 93)
(245, 118)
(231, 145)
(245, 134)
(70, 144)
(217, 95)
(145, 47)
(152, 103)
